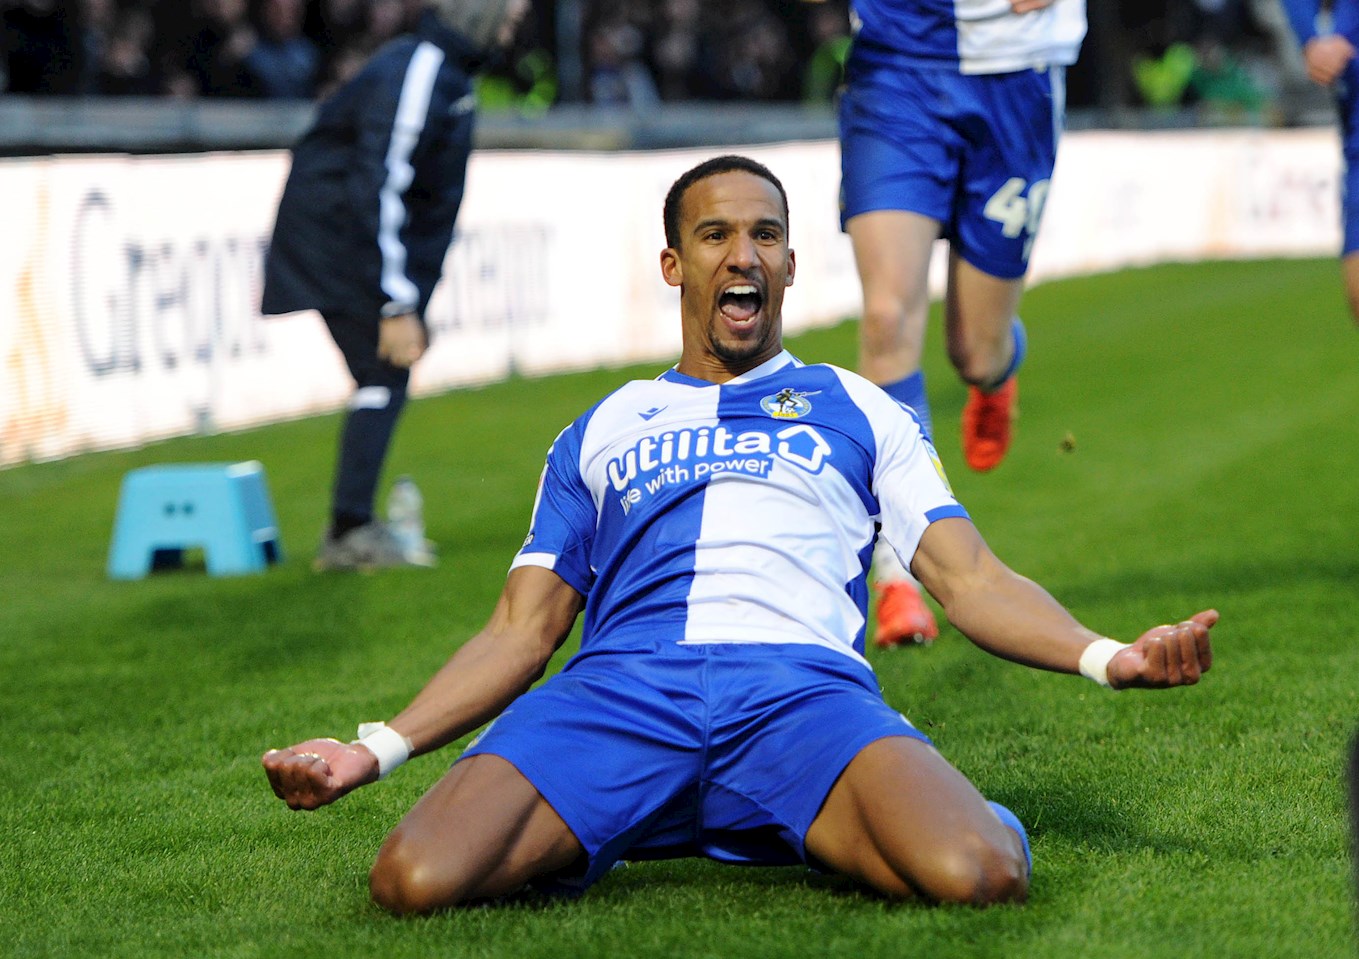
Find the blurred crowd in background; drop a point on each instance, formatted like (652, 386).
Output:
(1233, 57)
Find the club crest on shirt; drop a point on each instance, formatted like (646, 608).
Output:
(788, 403)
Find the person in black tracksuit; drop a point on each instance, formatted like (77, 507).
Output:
(363, 226)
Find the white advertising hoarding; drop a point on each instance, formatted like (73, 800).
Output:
(129, 286)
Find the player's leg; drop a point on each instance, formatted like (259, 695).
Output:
(1348, 106)
(986, 344)
(1005, 183)
(1349, 270)
(803, 741)
(898, 162)
(1349, 251)
(892, 251)
(482, 831)
(904, 821)
(553, 792)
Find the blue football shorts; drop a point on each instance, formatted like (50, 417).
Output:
(726, 750)
(974, 152)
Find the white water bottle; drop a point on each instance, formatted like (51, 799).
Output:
(406, 518)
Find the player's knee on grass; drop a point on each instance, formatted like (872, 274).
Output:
(980, 863)
(404, 881)
(978, 872)
(969, 870)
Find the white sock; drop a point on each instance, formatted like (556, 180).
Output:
(887, 568)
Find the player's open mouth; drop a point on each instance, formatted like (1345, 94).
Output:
(739, 303)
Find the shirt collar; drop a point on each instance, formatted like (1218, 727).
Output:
(769, 367)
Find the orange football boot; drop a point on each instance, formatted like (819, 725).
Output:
(988, 420)
(903, 616)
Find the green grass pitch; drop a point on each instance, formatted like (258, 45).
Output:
(1189, 437)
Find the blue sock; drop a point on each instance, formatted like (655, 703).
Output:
(911, 391)
(1021, 341)
(1011, 820)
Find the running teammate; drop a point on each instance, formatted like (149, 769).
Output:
(1328, 49)
(948, 127)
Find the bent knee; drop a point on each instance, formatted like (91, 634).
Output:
(892, 319)
(979, 367)
(405, 882)
(977, 872)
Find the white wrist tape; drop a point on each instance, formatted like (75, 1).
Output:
(1095, 660)
(389, 746)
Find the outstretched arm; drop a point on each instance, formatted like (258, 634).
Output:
(1015, 618)
(531, 620)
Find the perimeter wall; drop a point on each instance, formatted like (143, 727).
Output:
(129, 284)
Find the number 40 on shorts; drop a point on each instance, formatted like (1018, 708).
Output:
(1018, 206)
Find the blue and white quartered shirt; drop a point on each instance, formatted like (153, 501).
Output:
(970, 36)
(690, 512)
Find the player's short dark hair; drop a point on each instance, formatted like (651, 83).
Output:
(728, 163)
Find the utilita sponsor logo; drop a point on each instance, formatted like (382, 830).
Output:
(711, 450)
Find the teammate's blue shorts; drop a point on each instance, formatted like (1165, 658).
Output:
(726, 750)
(974, 152)
(1348, 101)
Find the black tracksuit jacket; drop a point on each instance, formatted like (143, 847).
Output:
(367, 213)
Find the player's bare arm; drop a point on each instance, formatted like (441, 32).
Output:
(531, 620)
(1014, 618)
(1026, 6)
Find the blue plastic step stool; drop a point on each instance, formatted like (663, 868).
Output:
(224, 508)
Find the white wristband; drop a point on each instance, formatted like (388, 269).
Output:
(389, 746)
(1095, 660)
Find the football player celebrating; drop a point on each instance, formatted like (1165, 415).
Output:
(714, 526)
